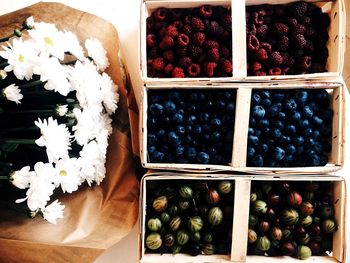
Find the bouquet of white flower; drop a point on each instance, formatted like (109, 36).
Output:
(55, 114)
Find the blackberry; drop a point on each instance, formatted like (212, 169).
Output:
(195, 51)
(214, 29)
(299, 41)
(298, 9)
(299, 29)
(280, 29)
(276, 58)
(283, 44)
(262, 31)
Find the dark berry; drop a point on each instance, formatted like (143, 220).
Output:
(258, 161)
(203, 157)
(278, 153)
(258, 112)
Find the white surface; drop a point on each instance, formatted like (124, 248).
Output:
(124, 14)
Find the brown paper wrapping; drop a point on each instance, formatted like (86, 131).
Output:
(96, 217)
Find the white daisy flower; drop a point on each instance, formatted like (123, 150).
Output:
(85, 80)
(97, 53)
(89, 159)
(72, 45)
(55, 137)
(3, 74)
(100, 171)
(41, 186)
(48, 39)
(61, 110)
(86, 128)
(54, 74)
(53, 211)
(29, 22)
(13, 93)
(21, 178)
(109, 93)
(20, 56)
(67, 175)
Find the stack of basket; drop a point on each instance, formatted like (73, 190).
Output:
(255, 118)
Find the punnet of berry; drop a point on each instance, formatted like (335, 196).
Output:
(189, 42)
(289, 128)
(286, 39)
(291, 219)
(189, 216)
(190, 126)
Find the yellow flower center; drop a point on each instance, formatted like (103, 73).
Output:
(48, 41)
(20, 58)
(63, 173)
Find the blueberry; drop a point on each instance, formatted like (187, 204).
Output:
(278, 125)
(263, 123)
(256, 99)
(317, 134)
(203, 157)
(189, 129)
(216, 137)
(257, 133)
(174, 95)
(258, 161)
(285, 139)
(228, 95)
(188, 139)
(290, 129)
(191, 120)
(277, 96)
(326, 131)
(191, 109)
(327, 146)
(307, 111)
(250, 131)
(278, 153)
(290, 105)
(152, 122)
(218, 159)
(204, 117)
(156, 109)
(179, 150)
(201, 96)
(173, 137)
(265, 94)
(230, 108)
(318, 147)
(252, 122)
(274, 110)
(258, 112)
(253, 140)
(310, 152)
(193, 97)
(281, 116)
(298, 140)
(308, 133)
(197, 129)
(151, 149)
(180, 130)
(263, 148)
(317, 121)
(276, 133)
(301, 96)
(205, 137)
(181, 111)
(270, 142)
(220, 105)
(313, 106)
(151, 139)
(250, 152)
(181, 104)
(304, 124)
(309, 142)
(157, 156)
(178, 118)
(290, 149)
(266, 103)
(191, 153)
(313, 160)
(160, 133)
(265, 130)
(212, 151)
(209, 105)
(295, 116)
(300, 150)
(216, 123)
(170, 107)
(288, 159)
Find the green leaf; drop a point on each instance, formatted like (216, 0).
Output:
(9, 147)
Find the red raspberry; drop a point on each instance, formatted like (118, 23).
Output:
(262, 31)
(257, 18)
(259, 73)
(183, 40)
(253, 43)
(205, 11)
(255, 66)
(209, 44)
(151, 40)
(198, 38)
(158, 63)
(287, 71)
(160, 14)
(168, 68)
(214, 29)
(178, 73)
(225, 36)
(275, 71)
(188, 19)
(195, 51)
(283, 44)
(303, 63)
(184, 62)
(149, 23)
(226, 22)
(169, 55)
(213, 55)
(177, 24)
(224, 52)
(166, 43)
(299, 29)
(171, 31)
(226, 66)
(197, 25)
(266, 46)
(276, 58)
(251, 29)
(209, 68)
(187, 30)
(260, 54)
(193, 70)
(280, 29)
(298, 41)
(153, 53)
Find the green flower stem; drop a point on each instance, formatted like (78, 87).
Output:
(12, 35)
(24, 129)
(4, 178)
(31, 84)
(17, 141)
(6, 164)
(36, 112)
